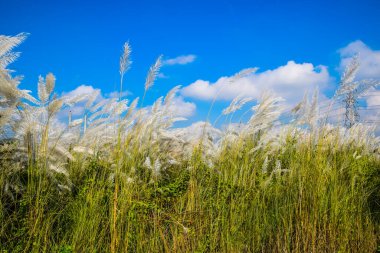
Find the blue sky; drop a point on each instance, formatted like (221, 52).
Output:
(80, 42)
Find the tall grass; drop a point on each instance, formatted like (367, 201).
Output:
(122, 179)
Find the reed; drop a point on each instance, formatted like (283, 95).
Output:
(121, 178)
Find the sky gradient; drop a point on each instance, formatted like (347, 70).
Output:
(81, 41)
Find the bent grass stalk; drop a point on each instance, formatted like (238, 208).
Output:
(285, 188)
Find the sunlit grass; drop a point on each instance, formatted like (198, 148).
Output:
(121, 179)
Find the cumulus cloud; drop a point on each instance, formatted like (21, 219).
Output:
(180, 60)
(290, 81)
(182, 108)
(81, 90)
(372, 97)
(116, 94)
(373, 100)
(179, 107)
(369, 59)
(78, 109)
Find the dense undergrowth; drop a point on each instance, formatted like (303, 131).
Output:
(121, 179)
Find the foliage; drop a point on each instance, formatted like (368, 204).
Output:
(122, 179)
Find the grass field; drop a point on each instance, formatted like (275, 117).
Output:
(123, 179)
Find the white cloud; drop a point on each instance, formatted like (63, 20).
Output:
(116, 94)
(180, 60)
(290, 81)
(162, 75)
(373, 98)
(78, 108)
(81, 90)
(181, 108)
(196, 130)
(369, 59)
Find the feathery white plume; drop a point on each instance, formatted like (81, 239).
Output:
(236, 104)
(152, 74)
(125, 62)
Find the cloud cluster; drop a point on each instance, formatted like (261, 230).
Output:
(289, 81)
(81, 90)
(78, 109)
(179, 107)
(373, 98)
(182, 108)
(369, 59)
(116, 94)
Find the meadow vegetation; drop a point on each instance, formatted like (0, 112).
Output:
(121, 178)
